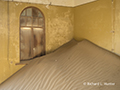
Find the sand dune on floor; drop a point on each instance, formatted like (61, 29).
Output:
(74, 66)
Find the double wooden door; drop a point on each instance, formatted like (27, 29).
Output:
(32, 35)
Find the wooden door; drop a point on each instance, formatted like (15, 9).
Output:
(38, 47)
(32, 34)
(26, 43)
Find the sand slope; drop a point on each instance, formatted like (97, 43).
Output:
(74, 66)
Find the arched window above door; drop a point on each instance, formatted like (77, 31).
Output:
(32, 17)
(32, 33)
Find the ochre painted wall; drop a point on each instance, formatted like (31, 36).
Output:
(93, 21)
(59, 25)
(7, 65)
(117, 26)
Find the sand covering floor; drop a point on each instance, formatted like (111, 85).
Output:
(74, 66)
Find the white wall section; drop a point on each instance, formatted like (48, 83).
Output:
(80, 2)
(69, 3)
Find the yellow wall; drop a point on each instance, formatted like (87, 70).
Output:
(117, 26)
(7, 65)
(59, 23)
(93, 21)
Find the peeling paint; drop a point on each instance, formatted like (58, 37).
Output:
(16, 4)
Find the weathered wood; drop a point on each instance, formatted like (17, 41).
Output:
(32, 35)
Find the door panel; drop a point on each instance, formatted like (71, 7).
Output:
(26, 43)
(38, 41)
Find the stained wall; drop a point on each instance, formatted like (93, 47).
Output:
(94, 21)
(59, 25)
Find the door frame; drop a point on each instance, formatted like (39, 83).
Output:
(44, 46)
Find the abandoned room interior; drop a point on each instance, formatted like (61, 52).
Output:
(34, 29)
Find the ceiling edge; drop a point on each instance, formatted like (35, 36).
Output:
(53, 4)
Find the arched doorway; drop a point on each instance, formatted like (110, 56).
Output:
(32, 33)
